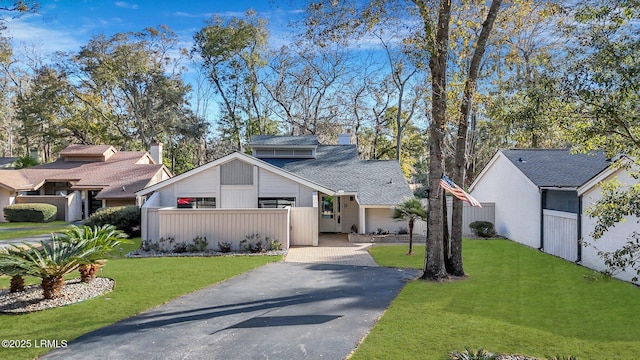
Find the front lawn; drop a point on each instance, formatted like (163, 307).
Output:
(515, 300)
(15, 230)
(141, 284)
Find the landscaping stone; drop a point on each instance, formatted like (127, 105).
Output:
(32, 300)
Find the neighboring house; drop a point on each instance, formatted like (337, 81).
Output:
(617, 235)
(7, 162)
(286, 175)
(84, 179)
(535, 196)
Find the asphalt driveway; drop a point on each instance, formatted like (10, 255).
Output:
(278, 311)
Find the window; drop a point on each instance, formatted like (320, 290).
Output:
(276, 203)
(196, 202)
(327, 207)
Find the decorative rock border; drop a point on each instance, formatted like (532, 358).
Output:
(74, 291)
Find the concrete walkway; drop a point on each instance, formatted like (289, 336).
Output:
(332, 249)
(278, 311)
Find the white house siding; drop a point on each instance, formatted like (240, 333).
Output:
(238, 197)
(516, 199)
(273, 185)
(203, 184)
(349, 213)
(612, 239)
(6, 198)
(380, 218)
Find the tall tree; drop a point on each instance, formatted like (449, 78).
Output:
(337, 21)
(41, 110)
(232, 51)
(454, 260)
(604, 81)
(138, 84)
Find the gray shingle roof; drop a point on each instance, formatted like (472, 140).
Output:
(262, 140)
(557, 167)
(338, 167)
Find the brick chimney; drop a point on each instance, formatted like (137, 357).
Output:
(156, 152)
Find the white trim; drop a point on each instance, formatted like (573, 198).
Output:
(499, 154)
(556, 188)
(237, 156)
(484, 170)
(600, 177)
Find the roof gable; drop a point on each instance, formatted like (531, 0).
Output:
(242, 157)
(118, 176)
(556, 167)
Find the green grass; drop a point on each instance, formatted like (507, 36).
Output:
(141, 284)
(515, 300)
(25, 229)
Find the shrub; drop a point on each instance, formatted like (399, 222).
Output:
(126, 218)
(403, 231)
(200, 244)
(180, 248)
(148, 245)
(30, 212)
(274, 244)
(252, 243)
(469, 354)
(483, 229)
(224, 246)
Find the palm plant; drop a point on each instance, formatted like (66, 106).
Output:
(50, 261)
(410, 210)
(100, 239)
(10, 267)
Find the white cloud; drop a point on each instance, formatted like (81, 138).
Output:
(23, 31)
(125, 5)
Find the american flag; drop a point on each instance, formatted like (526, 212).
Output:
(454, 189)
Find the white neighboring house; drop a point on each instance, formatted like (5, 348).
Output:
(616, 236)
(290, 188)
(536, 198)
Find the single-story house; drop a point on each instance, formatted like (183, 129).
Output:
(84, 179)
(616, 236)
(290, 187)
(530, 187)
(540, 197)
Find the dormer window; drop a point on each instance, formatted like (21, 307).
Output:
(286, 147)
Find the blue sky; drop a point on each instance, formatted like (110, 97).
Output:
(64, 25)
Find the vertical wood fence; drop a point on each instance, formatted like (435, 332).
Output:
(561, 234)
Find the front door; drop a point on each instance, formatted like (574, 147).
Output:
(330, 214)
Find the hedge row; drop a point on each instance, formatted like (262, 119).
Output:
(126, 218)
(30, 213)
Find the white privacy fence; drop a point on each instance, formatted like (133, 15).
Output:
(217, 225)
(469, 214)
(560, 234)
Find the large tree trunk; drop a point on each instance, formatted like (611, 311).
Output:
(434, 258)
(455, 261)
